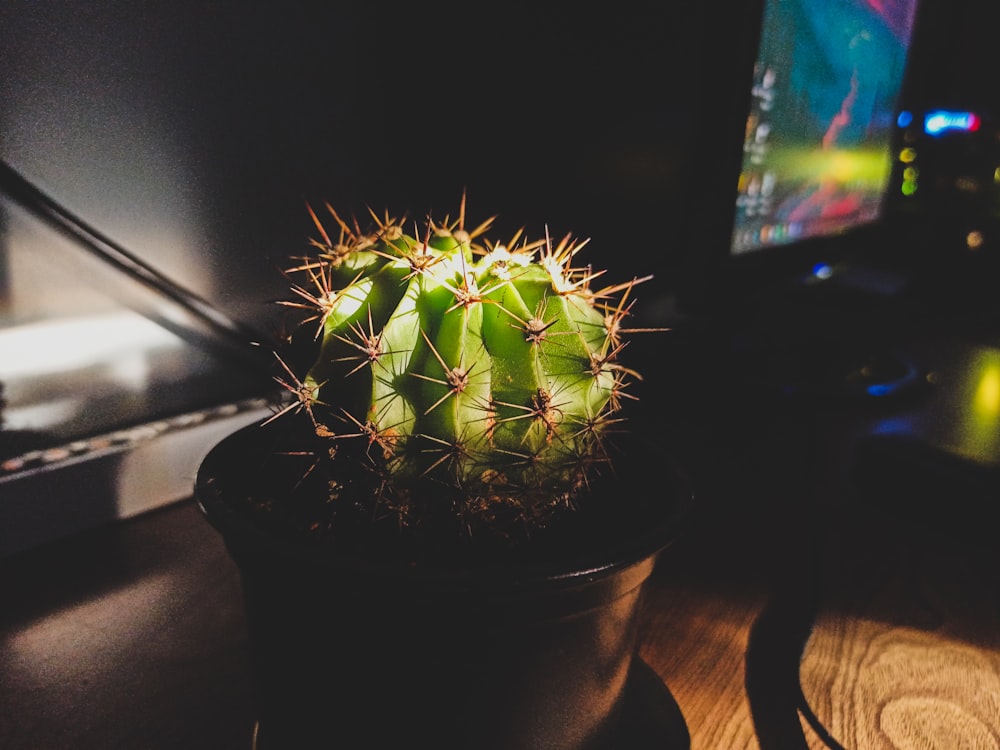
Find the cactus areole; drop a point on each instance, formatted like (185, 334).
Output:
(462, 377)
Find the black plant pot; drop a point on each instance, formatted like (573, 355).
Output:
(537, 650)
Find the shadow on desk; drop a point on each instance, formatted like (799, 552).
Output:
(129, 636)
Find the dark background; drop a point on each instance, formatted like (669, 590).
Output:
(193, 132)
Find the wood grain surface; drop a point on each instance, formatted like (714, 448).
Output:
(905, 652)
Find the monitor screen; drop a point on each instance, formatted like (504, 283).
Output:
(817, 152)
(794, 163)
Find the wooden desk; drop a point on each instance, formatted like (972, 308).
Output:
(813, 607)
(133, 637)
(889, 635)
(786, 596)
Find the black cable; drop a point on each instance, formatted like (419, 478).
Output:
(781, 631)
(817, 726)
(226, 333)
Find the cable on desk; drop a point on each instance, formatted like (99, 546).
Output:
(816, 725)
(774, 655)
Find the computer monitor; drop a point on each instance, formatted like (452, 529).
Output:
(795, 171)
(817, 151)
(798, 152)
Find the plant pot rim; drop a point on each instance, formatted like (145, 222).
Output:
(644, 540)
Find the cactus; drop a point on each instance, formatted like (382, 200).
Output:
(488, 370)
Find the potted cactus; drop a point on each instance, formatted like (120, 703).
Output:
(445, 529)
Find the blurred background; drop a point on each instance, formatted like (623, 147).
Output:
(158, 157)
(189, 135)
(193, 133)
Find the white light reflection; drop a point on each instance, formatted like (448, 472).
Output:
(54, 346)
(51, 412)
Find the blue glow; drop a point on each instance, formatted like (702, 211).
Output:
(881, 389)
(939, 121)
(899, 425)
(904, 119)
(822, 271)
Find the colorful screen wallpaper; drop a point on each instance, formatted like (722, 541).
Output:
(817, 150)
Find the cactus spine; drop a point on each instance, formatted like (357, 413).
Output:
(491, 369)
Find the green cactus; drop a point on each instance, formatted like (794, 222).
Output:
(489, 369)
